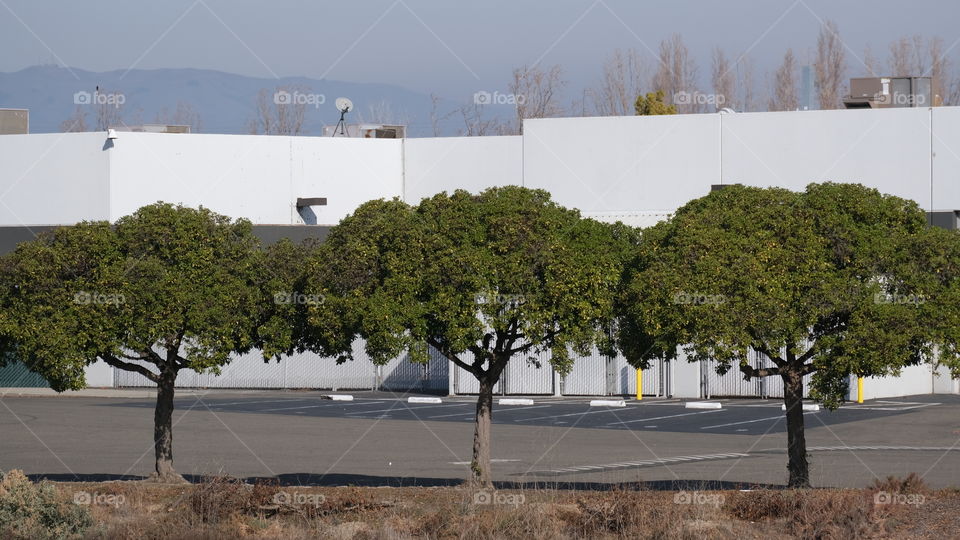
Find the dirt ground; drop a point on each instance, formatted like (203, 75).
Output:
(226, 508)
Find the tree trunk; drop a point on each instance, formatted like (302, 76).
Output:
(796, 441)
(163, 428)
(480, 466)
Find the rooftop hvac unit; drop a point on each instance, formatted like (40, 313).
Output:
(14, 121)
(154, 128)
(370, 131)
(889, 92)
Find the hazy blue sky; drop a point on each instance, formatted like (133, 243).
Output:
(452, 48)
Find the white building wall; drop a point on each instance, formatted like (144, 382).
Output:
(53, 178)
(627, 163)
(945, 139)
(450, 163)
(886, 149)
(348, 172)
(912, 380)
(258, 177)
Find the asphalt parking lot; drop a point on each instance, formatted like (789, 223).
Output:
(670, 415)
(381, 439)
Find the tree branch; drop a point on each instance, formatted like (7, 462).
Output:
(809, 354)
(127, 366)
(749, 372)
(521, 349)
(179, 362)
(766, 352)
(479, 355)
(807, 369)
(445, 351)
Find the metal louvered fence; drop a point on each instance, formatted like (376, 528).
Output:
(732, 383)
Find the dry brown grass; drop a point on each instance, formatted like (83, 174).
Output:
(228, 508)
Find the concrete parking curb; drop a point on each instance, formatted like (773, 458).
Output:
(515, 401)
(608, 403)
(424, 400)
(811, 407)
(703, 405)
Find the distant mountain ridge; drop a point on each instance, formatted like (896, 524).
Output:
(225, 102)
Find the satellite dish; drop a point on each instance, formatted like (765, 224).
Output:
(344, 105)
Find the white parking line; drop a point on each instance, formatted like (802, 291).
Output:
(887, 448)
(781, 417)
(874, 408)
(405, 406)
(260, 401)
(491, 461)
(607, 410)
(512, 409)
(327, 403)
(646, 463)
(289, 408)
(662, 417)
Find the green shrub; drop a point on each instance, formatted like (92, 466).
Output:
(29, 510)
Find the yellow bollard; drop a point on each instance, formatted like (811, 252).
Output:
(859, 389)
(639, 384)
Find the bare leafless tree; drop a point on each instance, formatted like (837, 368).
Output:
(77, 122)
(279, 112)
(939, 76)
(871, 65)
(748, 98)
(953, 92)
(907, 57)
(784, 95)
(677, 74)
(536, 92)
(723, 79)
(918, 57)
(830, 67)
(108, 109)
(381, 112)
(624, 75)
(476, 124)
(183, 115)
(435, 116)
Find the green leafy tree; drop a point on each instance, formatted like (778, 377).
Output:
(165, 289)
(483, 279)
(653, 104)
(834, 281)
(282, 329)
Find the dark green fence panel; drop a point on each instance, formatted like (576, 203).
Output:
(16, 375)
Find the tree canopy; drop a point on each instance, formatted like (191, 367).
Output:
(653, 104)
(834, 281)
(481, 278)
(164, 289)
